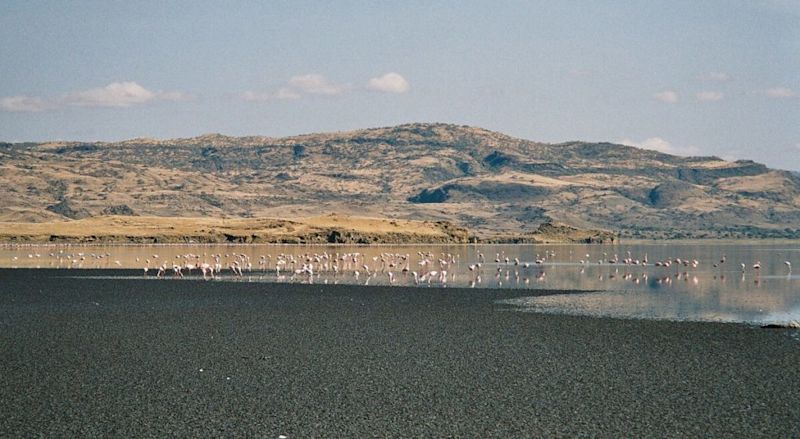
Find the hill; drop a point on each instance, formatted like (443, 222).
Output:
(490, 183)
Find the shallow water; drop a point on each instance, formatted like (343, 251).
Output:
(704, 292)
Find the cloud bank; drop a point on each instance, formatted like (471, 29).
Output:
(297, 87)
(116, 94)
(316, 84)
(24, 104)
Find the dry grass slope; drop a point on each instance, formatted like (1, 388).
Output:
(328, 229)
(489, 183)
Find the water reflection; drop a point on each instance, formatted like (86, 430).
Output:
(711, 305)
(716, 281)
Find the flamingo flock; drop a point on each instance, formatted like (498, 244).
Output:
(394, 268)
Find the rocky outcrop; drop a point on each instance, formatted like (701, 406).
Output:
(65, 208)
(119, 209)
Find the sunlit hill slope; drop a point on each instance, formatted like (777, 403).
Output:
(486, 182)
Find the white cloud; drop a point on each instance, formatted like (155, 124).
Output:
(389, 83)
(661, 145)
(779, 92)
(286, 93)
(314, 83)
(668, 96)
(715, 77)
(709, 96)
(297, 87)
(24, 104)
(116, 94)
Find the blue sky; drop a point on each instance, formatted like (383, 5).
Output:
(689, 77)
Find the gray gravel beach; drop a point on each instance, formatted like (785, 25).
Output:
(90, 357)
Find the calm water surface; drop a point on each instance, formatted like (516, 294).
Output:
(710, 291)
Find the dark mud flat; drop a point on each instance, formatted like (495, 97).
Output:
(140, 358)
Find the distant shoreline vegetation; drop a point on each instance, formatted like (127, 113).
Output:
(329, 229)
(743, 232)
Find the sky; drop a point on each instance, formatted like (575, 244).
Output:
(689, 77)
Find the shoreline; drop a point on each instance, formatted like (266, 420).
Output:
(616, 243)
(499, 304)
(325, 229)
(128, 357)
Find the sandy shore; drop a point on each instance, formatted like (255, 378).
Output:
(86, 357)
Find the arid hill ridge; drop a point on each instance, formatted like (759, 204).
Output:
(485, 181)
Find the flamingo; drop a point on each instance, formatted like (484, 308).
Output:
(189, 267)
(206, 269)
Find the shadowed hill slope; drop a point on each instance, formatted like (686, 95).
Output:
(486, 181)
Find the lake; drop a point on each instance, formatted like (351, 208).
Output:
(679, 281)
